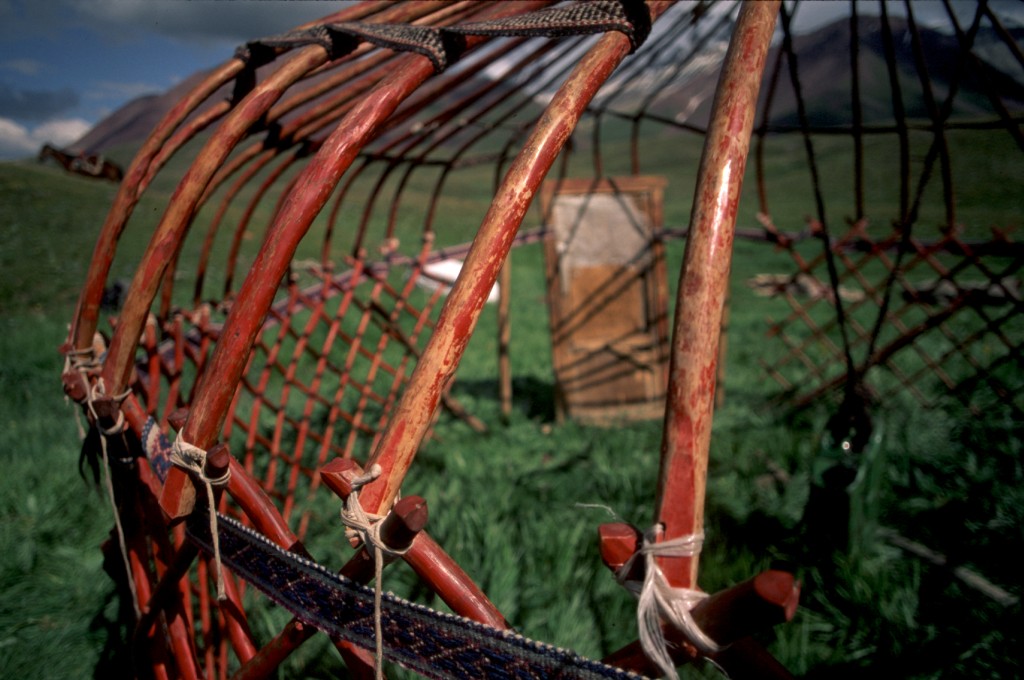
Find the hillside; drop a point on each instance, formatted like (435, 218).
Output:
(130, 124)
(825, 75)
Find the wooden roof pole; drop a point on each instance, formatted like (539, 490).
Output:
(143, 167)
(314, 186)
(703, 286)
(414, 413)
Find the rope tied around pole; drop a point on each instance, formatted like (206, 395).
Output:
(97, 391)
(82, 362)
(193, 459)
(366, 527)
(660, 601)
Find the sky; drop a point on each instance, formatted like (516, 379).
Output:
(66, 64)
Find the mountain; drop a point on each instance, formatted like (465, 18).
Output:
(685, 95)
(129, 125)
(825, 77)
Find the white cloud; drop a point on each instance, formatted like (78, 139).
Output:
(18, 141)
(104, 89)
(60, 132)
(25, 67)
(15, 141)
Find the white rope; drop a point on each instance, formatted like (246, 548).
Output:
(80, 361)
(367, 528)
(659, 601)
(95, 392)
(193, 459)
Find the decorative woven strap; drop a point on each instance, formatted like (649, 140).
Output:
(431, 643)
(428, 642)
(443, 45)
(581, 18)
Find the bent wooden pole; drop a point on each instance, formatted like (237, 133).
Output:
(146, 163)
(313, 188)
(412, 417)
(703, 285)
(128, 194)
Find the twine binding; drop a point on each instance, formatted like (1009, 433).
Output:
(367, 528)
(80, 361)
(95, 392)
(193, 459)
(659, 601)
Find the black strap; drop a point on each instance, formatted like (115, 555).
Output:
(444, 45)
(431, 643)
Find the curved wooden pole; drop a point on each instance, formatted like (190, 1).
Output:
(150, 157)
(312, 190)
(128, 194)
(703, 286)
(414, 413)
(168, 235)
(167, 238)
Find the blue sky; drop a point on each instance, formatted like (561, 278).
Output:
(65, 64)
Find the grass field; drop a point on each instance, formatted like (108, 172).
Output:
(507, 505)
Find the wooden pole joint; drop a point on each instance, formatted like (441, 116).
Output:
(728, 617)
(178, 497)
(398, 530)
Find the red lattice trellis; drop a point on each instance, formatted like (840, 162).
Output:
(318, 187)
(934, 301)
(951, 325)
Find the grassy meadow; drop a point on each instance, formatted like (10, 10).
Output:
(519, 506)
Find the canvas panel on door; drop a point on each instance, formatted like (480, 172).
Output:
(607, 297)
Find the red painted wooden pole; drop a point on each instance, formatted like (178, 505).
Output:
(314, 186)
(703, 285)
(128, 194)
(414, 413)
(144, 166)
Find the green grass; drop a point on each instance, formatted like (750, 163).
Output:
(57, 611)
(506, 504)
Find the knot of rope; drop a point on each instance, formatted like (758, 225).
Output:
(83, 362)
(366, 527)
(193, 459)
(98, 391)
(359, 522)
(660, 601)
